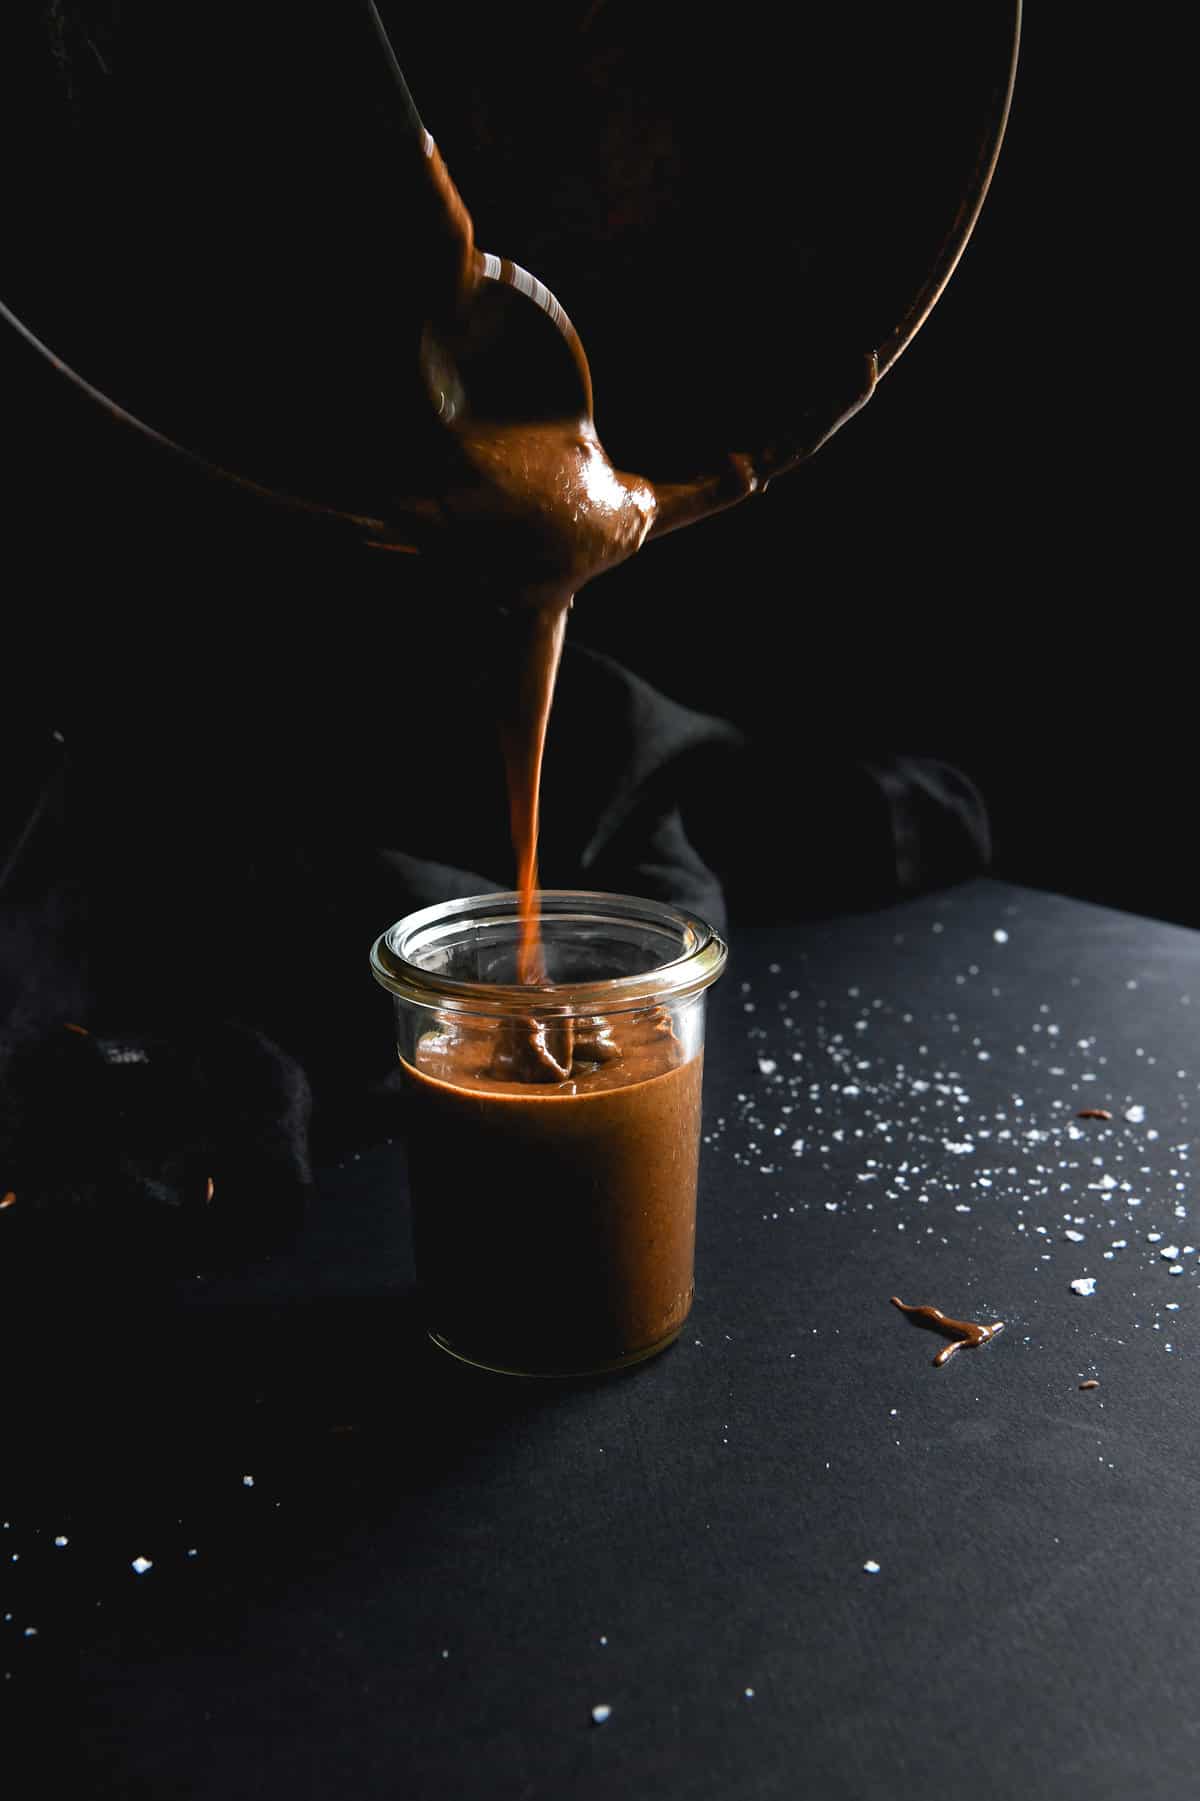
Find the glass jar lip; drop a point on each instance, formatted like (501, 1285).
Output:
(699, 963)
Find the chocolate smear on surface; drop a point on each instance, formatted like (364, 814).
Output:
(960, 1331)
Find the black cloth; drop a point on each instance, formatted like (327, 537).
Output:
(194, 884)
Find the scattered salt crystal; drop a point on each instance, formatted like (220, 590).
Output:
(1153, 1237)
(61, 1540)
(959, 1150)
(1000, 935)
(1075, 1237)
(1175, 1269)
(962, 1207)
(1135, 1115)
(831, 1206)
(768, 1065)
(1084, 1285)
(247, 1481)
(1170, 1252)
(601, 1713)
(871, 1567)
(141, 1564)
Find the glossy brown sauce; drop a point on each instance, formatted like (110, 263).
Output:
(536, 507)
(960, 1331)
(553, 1162)
(554, 1220)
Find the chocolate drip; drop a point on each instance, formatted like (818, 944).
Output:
(961, 1331)
(571, 1050)
(526, 501)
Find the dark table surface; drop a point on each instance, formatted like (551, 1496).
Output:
(374, 1572)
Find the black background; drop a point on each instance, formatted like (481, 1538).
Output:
(988, 563)
(986, 566)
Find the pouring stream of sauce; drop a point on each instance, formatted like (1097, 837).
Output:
(534, 508)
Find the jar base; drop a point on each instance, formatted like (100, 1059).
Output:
(556, 1375)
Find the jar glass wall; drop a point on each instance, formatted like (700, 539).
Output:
(553, 1132)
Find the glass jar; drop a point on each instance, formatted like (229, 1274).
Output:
(553, 1132)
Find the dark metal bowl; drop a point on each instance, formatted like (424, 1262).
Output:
(207, 208)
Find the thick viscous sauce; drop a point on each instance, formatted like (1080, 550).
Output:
(530, 507)
(553, 1163)
(554, 1220)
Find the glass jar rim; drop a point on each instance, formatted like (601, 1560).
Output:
(700, 961)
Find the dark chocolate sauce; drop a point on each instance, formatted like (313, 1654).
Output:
(553, 1181)
(534, 508)
(961, 1331)
(553, 1164)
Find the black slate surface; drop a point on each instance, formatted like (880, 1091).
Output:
(375, 1573)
